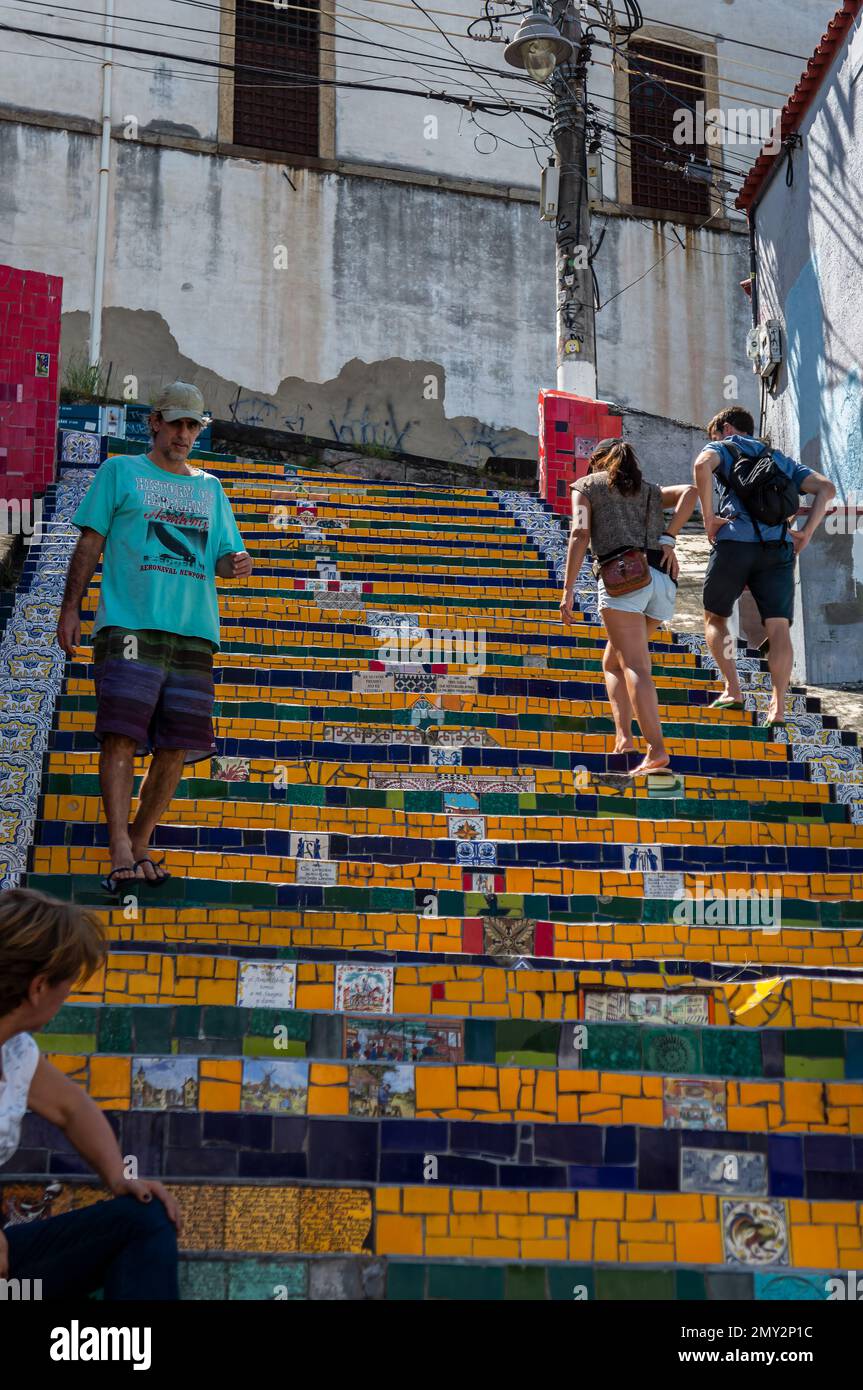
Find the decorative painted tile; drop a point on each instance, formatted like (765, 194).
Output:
(674, 1050)
(382, 1091)
(642, 858)
(466, 828)
(755, 1233)
(275, 1086)
(231, 769)
(460, 802)
(646, 1006)
(365, 989)
(310, 846)
(726, 1171)
(82, 448)
(693, 1103)
(483, 883)
(445, 757)
(482, 853)
(428, 1041)
(266, 984)
(508, 936)
(374, 1040)
(164, 1083)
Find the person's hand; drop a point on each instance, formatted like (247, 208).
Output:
(799, 539)
(144, 1190)
(670, 562)
(4, 1257)
(241, 564)
(715, 525)
(69, 630)
(566, 613)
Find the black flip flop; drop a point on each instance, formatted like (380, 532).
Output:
(157, 864)
(111, 887)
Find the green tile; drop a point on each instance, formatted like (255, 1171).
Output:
(187, 1020)
(815, 1068)
(525, 1283)
(78, 1044)
(152, 1029)
(613, 1047)
(479, 1040)
(266, 1047)
(115, 1029)
(267, 1280)
(814, 1042)
(566, 1282)
(731, 1052)
(223, 1021)
(690, 1286)
(405, 1282)
(673, 1050)
(465, 1283)
(74, 1018)
(635, 1285)
(203, 1280)
(516, 1036)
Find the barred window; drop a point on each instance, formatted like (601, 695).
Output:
(657, 89)
(272, 111)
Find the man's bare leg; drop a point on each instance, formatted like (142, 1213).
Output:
(116, 779)
(157, 791)
(780, 659)
(721, 648)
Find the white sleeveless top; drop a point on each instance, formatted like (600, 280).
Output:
(20, 1056)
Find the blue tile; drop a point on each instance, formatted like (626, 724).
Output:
(785, 1160)
(828, 1153)
(266, 1165)
(569, 1143)
(343, 1150)
(420, 1136)
(497, 1140)
(854, 1055)
(620, 1144)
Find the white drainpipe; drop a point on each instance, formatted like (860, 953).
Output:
(104, 179)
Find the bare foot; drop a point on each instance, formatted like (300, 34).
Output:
(123, 858)
(624, 745)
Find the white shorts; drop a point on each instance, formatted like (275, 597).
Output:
(655, 600)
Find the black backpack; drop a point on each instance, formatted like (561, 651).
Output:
(767, 493)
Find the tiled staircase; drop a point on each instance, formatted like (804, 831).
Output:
(423, 1011)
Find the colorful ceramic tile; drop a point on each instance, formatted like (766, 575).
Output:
(693, 1103)
(721, 1170)
(642, 858)
(364, 989)
(310, 846)
(374, 1040)
(266, 984)
(780, 1288)
(508, 936)
(755, 1233)
(671, 1050)
(646, 1006)
(164, 1083)
(230, 769)
(275, 1086)
(658, 885)
(481, 853)
(427, 1041)
(385, 1092)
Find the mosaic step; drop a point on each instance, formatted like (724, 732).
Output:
(437, 1004)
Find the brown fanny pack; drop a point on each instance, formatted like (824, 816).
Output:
(625, 573)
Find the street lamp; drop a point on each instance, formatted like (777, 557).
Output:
(538, 47)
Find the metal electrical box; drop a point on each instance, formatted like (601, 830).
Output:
(764, 347)
(549, 193)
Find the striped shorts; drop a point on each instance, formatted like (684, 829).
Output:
(157, 688)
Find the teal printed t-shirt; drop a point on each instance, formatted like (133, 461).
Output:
(165, 533)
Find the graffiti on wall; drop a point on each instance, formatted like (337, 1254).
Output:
(361, 427)
(477, 443)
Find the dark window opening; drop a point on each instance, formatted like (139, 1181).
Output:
(277, 110)
(657, 90)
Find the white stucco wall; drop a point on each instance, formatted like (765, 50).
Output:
(809, 272)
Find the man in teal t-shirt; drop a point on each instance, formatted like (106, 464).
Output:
(167, 530)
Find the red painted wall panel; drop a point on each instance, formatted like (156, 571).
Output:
(569, 428)
(30, 307)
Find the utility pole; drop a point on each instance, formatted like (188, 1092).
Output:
(576, 328)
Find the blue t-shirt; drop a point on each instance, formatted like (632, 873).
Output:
(165, 533)
(729, 504)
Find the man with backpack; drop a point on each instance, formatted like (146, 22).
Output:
(753, 545)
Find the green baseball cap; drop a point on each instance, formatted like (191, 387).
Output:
(180, 401)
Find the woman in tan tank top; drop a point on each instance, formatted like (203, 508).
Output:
(615, 509)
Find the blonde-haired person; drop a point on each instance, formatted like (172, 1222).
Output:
(127, 1246)
(614, 509)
